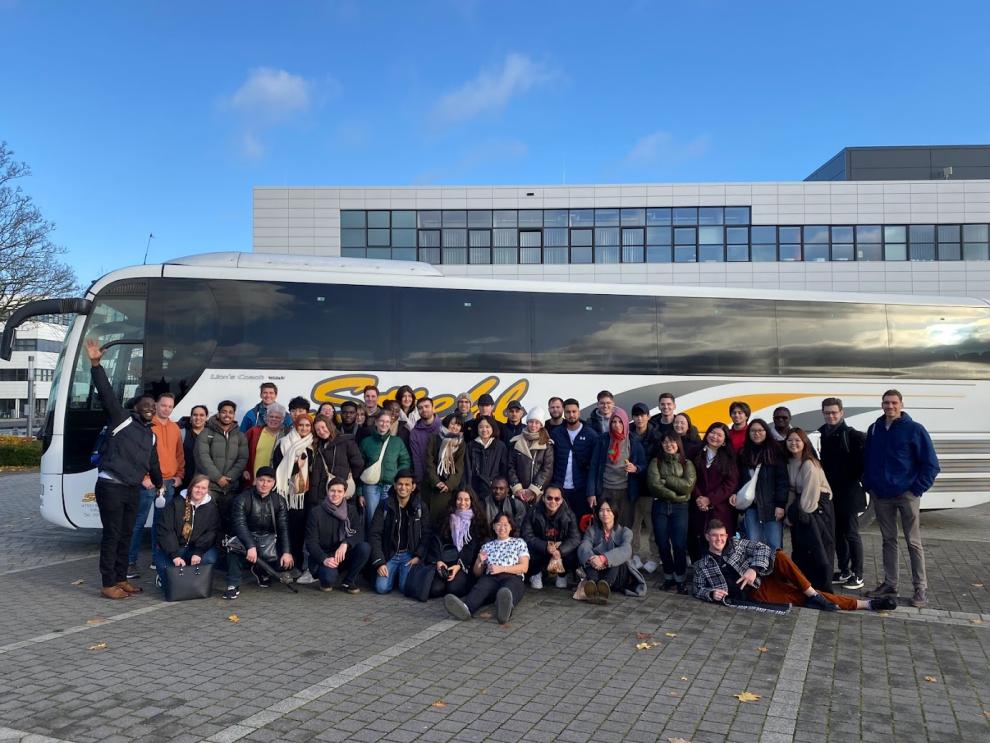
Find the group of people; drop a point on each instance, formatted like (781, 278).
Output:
(473, 509)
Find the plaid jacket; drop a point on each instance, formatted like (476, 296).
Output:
(741, 554)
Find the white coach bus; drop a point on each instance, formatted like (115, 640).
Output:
(214, 326)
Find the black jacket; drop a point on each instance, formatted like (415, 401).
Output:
(482, 465)
(771, 487)
(842, 460)
(251, 514)
(189, 450)
(441, 546)
(384, 534)
(530, 472)
(540, 527)
(324, 532)
(583, 448)
(338, 457)
(509, 431)
(205, 525)
(130, 453)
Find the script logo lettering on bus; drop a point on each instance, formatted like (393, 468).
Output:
(351, 386)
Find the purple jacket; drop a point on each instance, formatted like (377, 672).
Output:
(419, 439)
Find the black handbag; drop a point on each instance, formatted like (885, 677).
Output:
(266, 544)
(188, 582)
(418, 581)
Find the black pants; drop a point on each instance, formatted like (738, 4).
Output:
(441, 586)
(118, 510)
(538, 563)
(578, 501)
(848, 543)
(616, 577)
(488, 585)
(297, 535)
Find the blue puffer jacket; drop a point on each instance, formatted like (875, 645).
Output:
(583, 449)
(899, 458)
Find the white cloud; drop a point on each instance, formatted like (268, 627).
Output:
(491, 90)
(273, 95)
(662, 148)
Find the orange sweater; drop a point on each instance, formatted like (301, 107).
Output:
(168, 440)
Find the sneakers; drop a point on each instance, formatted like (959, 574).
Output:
(325, 589)
(821, 603)
(667, 584)
(536, 582)
(650, 566)
(306, 578)
(884, 589)
(920, 598)
(132, 571)
(853, 583)
(158, 581)
(456, 608)
(637, 562)
(841, 576)
(350, 588)
(591, 591)
(604, 591)
(503, 605)
(561, 581)
(113, 592)
(884, 603)
(231, 593)
(129, 587)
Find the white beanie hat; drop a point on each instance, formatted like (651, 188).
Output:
(536, 414)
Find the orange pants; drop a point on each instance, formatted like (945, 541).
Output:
(787, 584)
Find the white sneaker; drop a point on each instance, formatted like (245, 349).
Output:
(650, 566)
(305, 578)
(536, 582)
(637, 562)
(561, 581)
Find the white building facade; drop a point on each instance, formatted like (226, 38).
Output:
(42, 339)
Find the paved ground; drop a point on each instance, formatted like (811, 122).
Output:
(329, 667)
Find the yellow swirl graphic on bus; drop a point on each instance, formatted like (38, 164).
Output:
(346, 387)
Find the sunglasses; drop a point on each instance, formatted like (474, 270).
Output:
(553, 500)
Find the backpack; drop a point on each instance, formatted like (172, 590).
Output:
(103, 441)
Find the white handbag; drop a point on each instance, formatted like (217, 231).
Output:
(372, 474)
(747, 493)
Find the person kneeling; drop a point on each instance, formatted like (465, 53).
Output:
(261, 524)
(499, 567)
(605, 553)
(399, 533)
(187, 529)
(744, 573)
(333, 541)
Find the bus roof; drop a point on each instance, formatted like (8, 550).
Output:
(362, 271)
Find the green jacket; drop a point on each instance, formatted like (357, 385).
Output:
(396, 455)
(670, 480)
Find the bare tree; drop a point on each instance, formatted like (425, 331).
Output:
(29, 261)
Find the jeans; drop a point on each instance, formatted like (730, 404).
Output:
(397, 568)
(907, 506)
(354, 560)
(373, 495)
(670, 526)
(769, 532)
(162, 561)
(642, 527)
(848, 543)
(118, 505)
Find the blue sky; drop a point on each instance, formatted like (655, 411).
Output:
(140, 117)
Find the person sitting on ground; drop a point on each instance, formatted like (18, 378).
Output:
(261, 524)
(454, 547)
(333, 540)
(187, 529)
(551, 533)
(741, 572)
(531, 459)
(605, 553)
(499, 568)
(399, 533)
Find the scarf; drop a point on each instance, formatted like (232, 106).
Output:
(615, 440)
(291, 488)
(460, 527)
(449, 444)
(344, 529)
(187, 520)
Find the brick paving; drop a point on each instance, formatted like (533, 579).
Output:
(329, 667)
